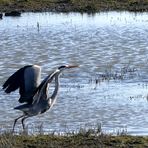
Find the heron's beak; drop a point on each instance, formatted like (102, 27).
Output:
(72, 66)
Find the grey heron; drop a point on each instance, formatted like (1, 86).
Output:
(33, 94)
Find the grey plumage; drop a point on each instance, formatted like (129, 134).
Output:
(36, 96)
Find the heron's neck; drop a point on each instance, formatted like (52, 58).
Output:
(57, 84)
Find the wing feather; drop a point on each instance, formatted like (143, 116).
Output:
(14, 81)
(27, 79)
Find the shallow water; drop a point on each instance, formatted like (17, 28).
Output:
(109, 88)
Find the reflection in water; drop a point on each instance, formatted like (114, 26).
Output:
(111, 85)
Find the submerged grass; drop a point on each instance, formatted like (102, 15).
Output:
(83, 139)
(89, 6)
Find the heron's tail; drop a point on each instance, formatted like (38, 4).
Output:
(23, 107)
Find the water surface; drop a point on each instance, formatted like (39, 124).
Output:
(109, 88)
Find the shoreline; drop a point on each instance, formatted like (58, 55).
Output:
(82, 6)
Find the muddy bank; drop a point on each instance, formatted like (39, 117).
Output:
(72, 5)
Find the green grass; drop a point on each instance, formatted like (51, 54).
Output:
(73, 5)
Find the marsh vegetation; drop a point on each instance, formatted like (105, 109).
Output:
(84, 138)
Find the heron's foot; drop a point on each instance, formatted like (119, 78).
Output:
(12, 131)
(25, 132)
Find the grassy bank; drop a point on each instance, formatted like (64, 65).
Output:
(79, 140)
(73, 5)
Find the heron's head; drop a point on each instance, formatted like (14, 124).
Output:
(61, 68)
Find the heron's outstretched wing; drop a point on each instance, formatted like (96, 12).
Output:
(27, 79)
(42, 90)
(11, 84)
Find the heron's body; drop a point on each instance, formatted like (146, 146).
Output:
(34, 109)
(33, 93)
(43, 101)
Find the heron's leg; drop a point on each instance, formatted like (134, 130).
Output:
(16, 121)
(23, 121)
